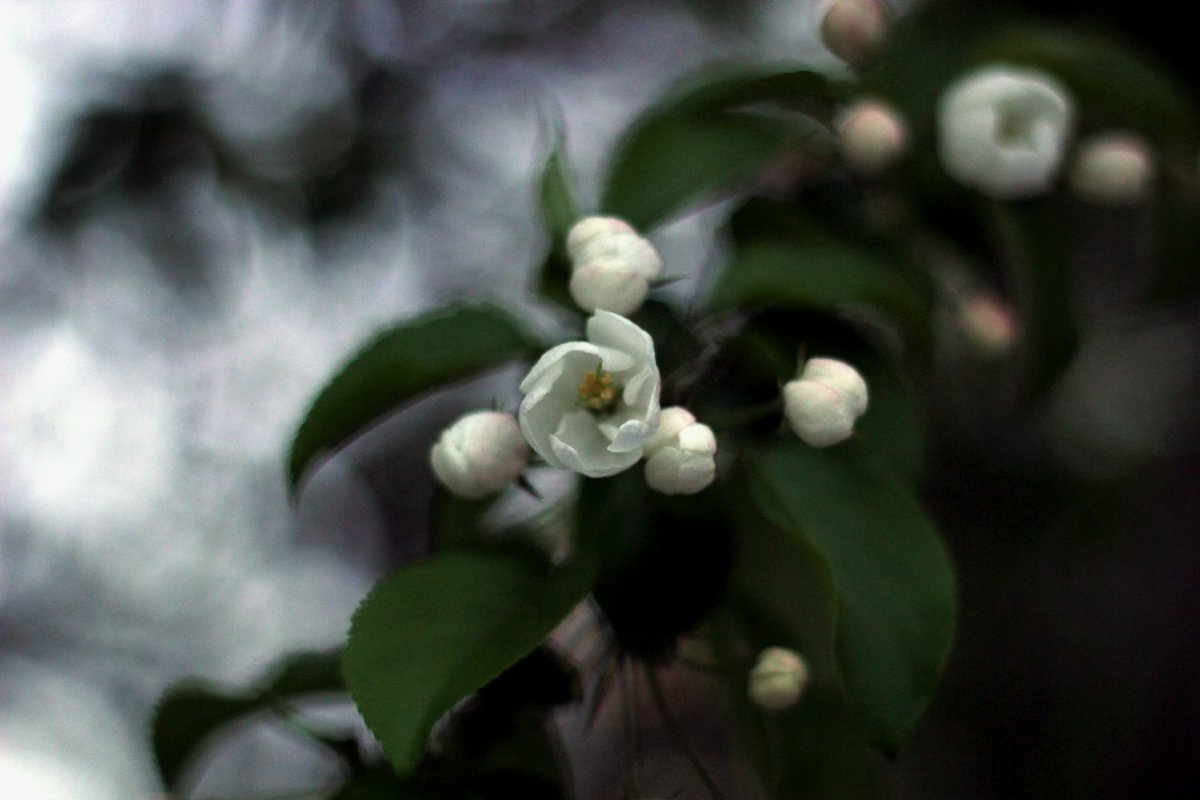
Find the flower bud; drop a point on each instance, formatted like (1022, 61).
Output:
(777, 679)
(480, 454)
(680, 459)
(611, 265)
(988, 324)
(853, 30)
(1113, 169)
(823, 404)
(873, 136)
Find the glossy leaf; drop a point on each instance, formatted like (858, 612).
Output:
(436, 631)
(400, 363)
(190, 714)
(895, 587)
(815, 270)
(708, 137)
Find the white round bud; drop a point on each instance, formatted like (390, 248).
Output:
(778, 679)
(479, 454)
(681, 458)
(873, 136)
(823, 404)
(853, 30)
(1113, 169)
(608, 284)
(611, 265)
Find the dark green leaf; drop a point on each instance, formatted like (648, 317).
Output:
(559, 212)
(434, 632)
(893, 578)
(397, 365)
(705, 139)
(1037, 259)
(190, 714)
(812, 269)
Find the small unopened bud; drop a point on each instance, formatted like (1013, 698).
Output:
(988, 324)
(1113, 169)
(680, 459)
(480, 454)
(611, 265)
(873, 136)
(778, 679)
(853, 30)
(823, 404)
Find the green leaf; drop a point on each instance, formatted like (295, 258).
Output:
(559, 212)
(397, 365)
(706, 138)
(813, 269)
(190, 714)
(434, 632)
(1037, 260)
(893, 578)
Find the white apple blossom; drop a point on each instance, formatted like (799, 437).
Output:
(873, 136)
(612, 266)
(1113, 169)
(823, 404)
(1003, 130)
(778, 679)
(680, 458)
(479, 454)
(591, 407)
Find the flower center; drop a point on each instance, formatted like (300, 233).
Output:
(597, 392)
(1013, 127)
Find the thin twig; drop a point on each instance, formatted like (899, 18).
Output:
(673, 727)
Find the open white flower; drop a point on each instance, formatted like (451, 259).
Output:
(611, 265)
(823, 404)
(680, 457)
(480, 454)
(1003, 130)
(591, 407)
(778, 679)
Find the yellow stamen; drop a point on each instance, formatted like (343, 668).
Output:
(596, 391)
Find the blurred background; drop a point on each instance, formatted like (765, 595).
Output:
(205, 206)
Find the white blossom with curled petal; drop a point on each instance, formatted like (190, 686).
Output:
(612, 266)
(591, 407)
(1004, 130)
(680, 459)
(479, 454)
(823, 404)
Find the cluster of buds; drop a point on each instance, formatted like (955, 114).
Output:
(612, 266)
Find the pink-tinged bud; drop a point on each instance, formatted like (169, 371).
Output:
(778, 679)
(612, 266)
(988, 324)
(873, 136)
(1113, 169)
(854, 30)
(480, 454)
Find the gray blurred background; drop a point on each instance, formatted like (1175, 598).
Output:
(205, 205)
